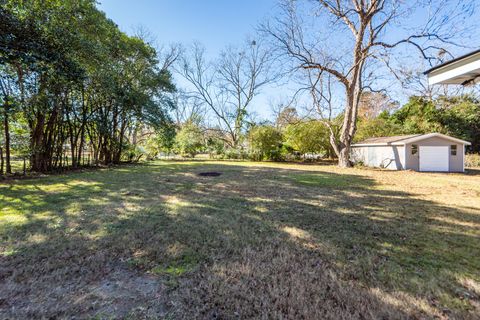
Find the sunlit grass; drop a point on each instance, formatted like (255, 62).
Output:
(405, 241)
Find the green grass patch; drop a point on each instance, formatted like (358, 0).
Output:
(255, 233)
(175, 271)
(325, 180)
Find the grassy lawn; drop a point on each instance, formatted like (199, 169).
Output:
(262, 240)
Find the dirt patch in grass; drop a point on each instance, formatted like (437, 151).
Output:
(209, 174)
(116, 293)
(263, 240)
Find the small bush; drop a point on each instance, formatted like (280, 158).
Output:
(255, 156)
(132, 153)
(265, 143)
(235, 154)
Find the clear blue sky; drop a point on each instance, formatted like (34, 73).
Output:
(214, 23)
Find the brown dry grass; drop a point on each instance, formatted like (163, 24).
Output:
(260, 241)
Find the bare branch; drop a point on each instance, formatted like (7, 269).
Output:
(229, 84)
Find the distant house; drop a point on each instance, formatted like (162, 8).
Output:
(419, 152)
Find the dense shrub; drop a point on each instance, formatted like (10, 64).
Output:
(189, 140)
(235, 154)
(381, 126)
(214, 146)
(308, 137)
(265, 143)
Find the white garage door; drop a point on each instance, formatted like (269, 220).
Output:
(433, 158)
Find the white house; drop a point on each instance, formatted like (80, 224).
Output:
(464, 70)
(419, 152)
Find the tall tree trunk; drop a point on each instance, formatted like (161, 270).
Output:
(349, 127)
(344, 157)
(1, 160)
(118, 155)
(135, 134)
(36, 144)
(81, 144)
(6, 109)
(82, 127)
(73, 142)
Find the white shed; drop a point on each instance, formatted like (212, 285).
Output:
(419, 152)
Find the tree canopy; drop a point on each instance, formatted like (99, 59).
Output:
(75, 89)
(458, 116)
(80, 83)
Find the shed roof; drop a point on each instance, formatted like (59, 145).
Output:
(402, 140)
(387, 140)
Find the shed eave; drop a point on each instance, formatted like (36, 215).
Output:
(369, 144)
(463, 70)
(431, 135)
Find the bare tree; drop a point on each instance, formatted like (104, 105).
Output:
(414, 82)
(285, 116)
(167, 54)
(187, 107)
(345, 41)
(228, 85)
(374, 103)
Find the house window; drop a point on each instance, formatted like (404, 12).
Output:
(453, 149)
(414, 149)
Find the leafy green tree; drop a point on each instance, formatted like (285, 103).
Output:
(215, 145)
(308, 137)
(162, 141)
(189, 140)
(381, 126)
(460, 117)
(419, 115)
(265, 142)
(78, 81)
(166, 138)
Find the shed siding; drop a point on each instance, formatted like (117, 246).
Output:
(455, 162)
(389, 157)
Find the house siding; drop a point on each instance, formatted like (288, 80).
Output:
(455, 162)
(388, 157)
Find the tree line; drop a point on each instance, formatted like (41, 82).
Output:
(334, 73)
(292, 137)
(458, 116)
(76, 90)
(72, 83)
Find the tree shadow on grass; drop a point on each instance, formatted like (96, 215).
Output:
(254, 242)
(472, 172)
